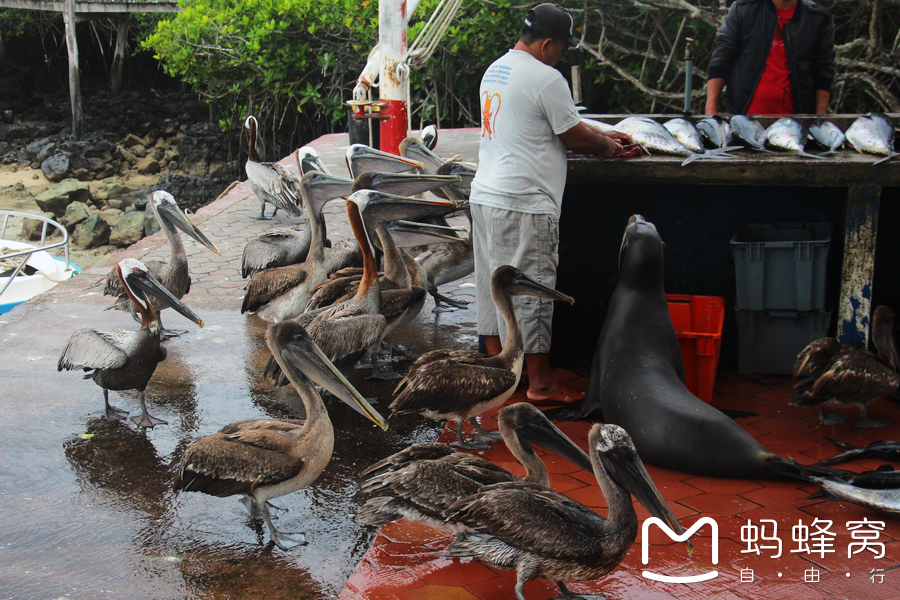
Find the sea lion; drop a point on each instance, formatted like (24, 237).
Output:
(637, 378)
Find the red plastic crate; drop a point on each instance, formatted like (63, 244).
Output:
(698, 322)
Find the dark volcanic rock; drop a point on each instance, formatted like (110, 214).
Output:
(56, 199)
(56, 168)
(93, 232)
(193, 191)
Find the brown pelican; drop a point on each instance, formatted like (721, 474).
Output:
(446, 263)
(530, 529)
(174, 274)
(365, 159)
(265, 458)
(270, 181)
(417, 484)
(125, 360)
(346, 331)
(462, 384)
(284, 246)
(430, 137)
(282, 293)
(841, 375)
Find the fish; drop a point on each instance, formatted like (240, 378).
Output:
(654, 137)
(685, 132)
(826, 135)
(598, 124)
(881, 450)
(748, 132)
(884, 501)
(715, 131)
(790, 135)
(873, 133)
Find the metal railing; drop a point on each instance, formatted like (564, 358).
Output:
(26, 253)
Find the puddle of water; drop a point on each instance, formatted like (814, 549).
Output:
(86, 505)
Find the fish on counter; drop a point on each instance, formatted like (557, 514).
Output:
(748, 132)
(789, 135)
(653, 137)
(685, 132)
(826, 135)
(715, 131)
(873, 133)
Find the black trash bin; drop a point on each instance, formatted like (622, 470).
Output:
(359, 130)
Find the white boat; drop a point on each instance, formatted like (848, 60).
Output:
(27, 270)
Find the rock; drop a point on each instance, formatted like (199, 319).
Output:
(148, 166)
(109, 189)
(19, 186)
(111, 215)
(139, 151)
(91, 233)
(127, 230)
(57, 198)
(76, 213)
(31, 228)
(151, 224)
(132, 140)
(56, 168)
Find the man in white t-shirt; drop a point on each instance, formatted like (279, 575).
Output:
(528, 122)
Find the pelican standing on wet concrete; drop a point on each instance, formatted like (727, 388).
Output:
(286, 245)
(417, 484)
(267, 458)
(125, 360)
(841, 375)
(270, 181)
(175, 274)
(462, 384)
(530, 529)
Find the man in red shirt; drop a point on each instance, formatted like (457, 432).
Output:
(777, 57)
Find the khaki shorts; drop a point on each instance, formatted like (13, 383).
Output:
(528, 242)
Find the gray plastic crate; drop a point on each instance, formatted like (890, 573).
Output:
(769, 341)
(781, 266)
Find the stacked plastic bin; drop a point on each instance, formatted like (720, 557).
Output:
(780, 307)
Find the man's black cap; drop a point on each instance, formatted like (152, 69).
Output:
(553, 21)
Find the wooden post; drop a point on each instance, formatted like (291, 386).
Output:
(74, 71)
(861, 229)
(119, 55)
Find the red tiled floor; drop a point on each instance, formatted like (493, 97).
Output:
(405, 564)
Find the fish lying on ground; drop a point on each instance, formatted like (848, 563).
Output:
(873, 133)
(748, 132)
(653, 137)
(715, 131)
(883, 500)
(789, 135)
(826, 135)
(881, 450)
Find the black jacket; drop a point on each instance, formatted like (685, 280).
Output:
(742, 47)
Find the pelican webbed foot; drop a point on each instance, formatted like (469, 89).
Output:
(146, 419)
(567, 594)
(831, 418)
(474, 444)
(262, 213)
(485, 436)
(440, 300)
(112, 413)
(865, 423)
(167, 334)
(380, 373)
(283, 539)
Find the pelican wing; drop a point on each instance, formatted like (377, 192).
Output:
(342, 258)
(274, 249)
(395, 302)
(344, 340)
(271, 283)
(423, 451)
(450, 386)
(432, 486)
(88, 349)
(254, 455)
(276, 185)
(855, 375)
(334, 290)
(817, 356)
(533, 518)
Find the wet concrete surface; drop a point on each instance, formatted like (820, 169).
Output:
(86, 505)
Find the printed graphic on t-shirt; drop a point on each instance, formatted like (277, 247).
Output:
(490, 106)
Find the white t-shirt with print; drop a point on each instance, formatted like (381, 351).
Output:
(525, 105)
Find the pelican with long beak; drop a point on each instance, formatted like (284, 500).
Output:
(462, 384)
(266, 458)
(365, 159)
(125, 360)
(417, 484)
(530, 529)
(175, 274)
(270, 181)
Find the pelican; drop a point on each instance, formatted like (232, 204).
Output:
(282, 293)
(265, 458)
(462, 384)
(530, 529)
(447, 263)
(284, 246)
(175, 274)
(417, 484)
(125, 360)
(346, 331)
(365, 159)
(841, 375)
(270, 181)
(430, 137)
